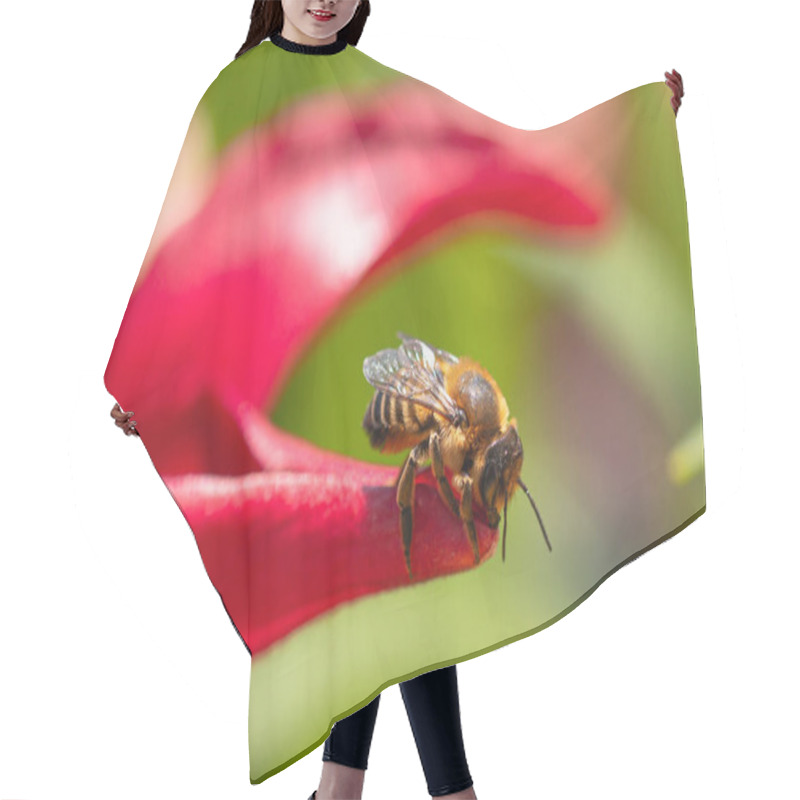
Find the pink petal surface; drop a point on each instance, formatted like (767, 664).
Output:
(323, 537)
(249, 280)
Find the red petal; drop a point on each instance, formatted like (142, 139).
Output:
(291, 228)
(324, 537)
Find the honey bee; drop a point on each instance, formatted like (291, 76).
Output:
(450, 412)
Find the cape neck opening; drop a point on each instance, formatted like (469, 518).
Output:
(309, 49)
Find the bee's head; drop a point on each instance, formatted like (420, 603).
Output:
(501, 476)
(503, 463)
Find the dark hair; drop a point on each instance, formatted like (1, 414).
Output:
(266, 18)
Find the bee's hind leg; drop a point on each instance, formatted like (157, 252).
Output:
(405, 498)
(466, 515)
(437, 464)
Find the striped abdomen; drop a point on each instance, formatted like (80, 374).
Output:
(395, 424)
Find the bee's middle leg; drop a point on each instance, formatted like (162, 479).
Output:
(466, 515)
(437, 465)
(405, 498)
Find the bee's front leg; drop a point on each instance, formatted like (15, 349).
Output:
(493, 517)
(405, 498)
(437, 465)
(466, 515)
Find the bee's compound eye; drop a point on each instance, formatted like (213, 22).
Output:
(461, 419)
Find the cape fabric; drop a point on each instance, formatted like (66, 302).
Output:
(323, 202)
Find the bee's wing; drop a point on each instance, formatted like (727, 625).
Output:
(411, 372)
(443, 354)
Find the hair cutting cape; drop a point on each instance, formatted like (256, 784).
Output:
(323, 202)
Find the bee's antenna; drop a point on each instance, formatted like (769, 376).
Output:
(525, 489)
(505, 520)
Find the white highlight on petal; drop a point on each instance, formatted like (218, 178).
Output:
(339, 222)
